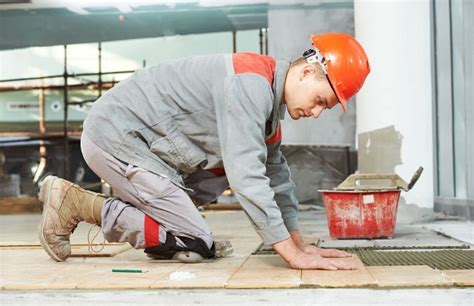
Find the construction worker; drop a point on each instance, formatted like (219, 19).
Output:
(176, 135)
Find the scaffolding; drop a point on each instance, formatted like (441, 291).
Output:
(66, 136)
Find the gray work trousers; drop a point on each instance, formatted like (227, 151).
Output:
(148, 205)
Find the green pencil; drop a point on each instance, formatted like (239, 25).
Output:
(127, 270)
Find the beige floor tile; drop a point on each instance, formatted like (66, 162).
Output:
(265, 272)
(209, 274)
(340, 278)
(102, 277)
(461, 277)
(408, 276)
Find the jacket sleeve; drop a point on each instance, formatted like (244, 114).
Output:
(282, 185)
(243, 104)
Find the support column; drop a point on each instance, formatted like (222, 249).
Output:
(394, 108)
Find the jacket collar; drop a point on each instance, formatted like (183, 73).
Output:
(279, 108)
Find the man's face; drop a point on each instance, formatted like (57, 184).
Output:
(309, 96)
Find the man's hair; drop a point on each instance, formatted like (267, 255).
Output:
(320, 75)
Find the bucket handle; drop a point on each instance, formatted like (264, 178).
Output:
(398, 183)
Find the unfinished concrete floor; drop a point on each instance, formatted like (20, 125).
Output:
(28, 275)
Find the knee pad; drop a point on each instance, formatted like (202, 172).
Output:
(168, 249)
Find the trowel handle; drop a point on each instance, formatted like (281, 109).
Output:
(415, 178)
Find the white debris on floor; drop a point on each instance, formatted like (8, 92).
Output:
(181, 275)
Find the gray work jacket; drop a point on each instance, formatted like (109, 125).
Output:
(180, 117)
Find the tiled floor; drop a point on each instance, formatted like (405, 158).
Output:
(30, 268)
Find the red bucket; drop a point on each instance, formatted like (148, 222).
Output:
(361, 214)
(365, 211)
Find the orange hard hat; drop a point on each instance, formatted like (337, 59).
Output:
(346, 63)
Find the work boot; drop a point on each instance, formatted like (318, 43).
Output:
(65, 205)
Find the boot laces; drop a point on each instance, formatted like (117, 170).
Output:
(72, 224)
(91, 247)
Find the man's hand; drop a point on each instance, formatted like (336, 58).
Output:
(311, 249)
(298, 259)
(326, 253)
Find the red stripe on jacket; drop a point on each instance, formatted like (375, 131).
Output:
(217, 171)
(254, 63)
(276, 137)
(152, 229)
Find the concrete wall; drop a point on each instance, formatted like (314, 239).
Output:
(394, 109)
(289, 34)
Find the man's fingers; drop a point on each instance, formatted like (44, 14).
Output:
(307, 261)
(325, 265)
(333, 265)
(342, 265)
(331, 253)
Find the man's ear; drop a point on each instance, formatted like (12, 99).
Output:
(307, 70)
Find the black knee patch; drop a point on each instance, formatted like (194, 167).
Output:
(169, 248)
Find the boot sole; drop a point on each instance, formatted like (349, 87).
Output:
(44, 197)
